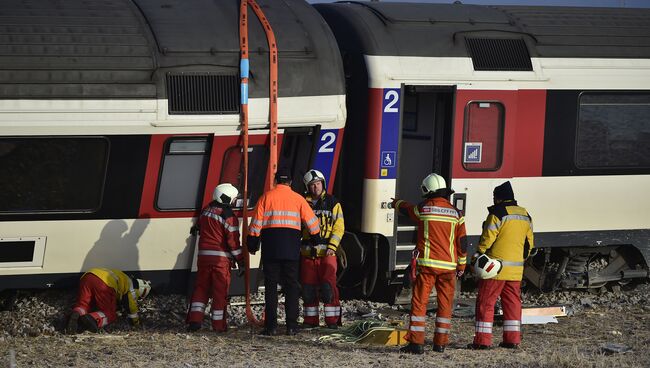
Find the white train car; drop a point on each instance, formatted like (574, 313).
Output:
(554, 99)
(118, 118)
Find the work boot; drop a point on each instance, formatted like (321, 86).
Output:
(509, 345)
(71, 327)
(307, 326)
(194, 326)
(269, 331)
(439, 348)
(333, 326)
(477, 347)
(292, 331)
(412, 348)
(89, 323)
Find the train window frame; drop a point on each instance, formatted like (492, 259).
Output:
(578, 124)
(265, 158)
(201, 177)
(500, 135)
(101, 182)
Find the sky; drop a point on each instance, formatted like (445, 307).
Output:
(607, 3)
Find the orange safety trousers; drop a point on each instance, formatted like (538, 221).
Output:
(445, 284)
(488, 292)
(314, 273)
(212, 281)
(94, 293)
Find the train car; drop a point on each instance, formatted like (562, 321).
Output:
(119, 117)
(554, 99)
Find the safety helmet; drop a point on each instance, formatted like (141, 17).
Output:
(486, 267)
(312, 176)
(225, 193)
(432, 183)
(144, 287)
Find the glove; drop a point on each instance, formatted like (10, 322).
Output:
(253, 244)
(393, 204)
(460, 272)
(315, 240)
(241, 268)
(194, 230)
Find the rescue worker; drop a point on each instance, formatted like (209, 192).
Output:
(507, 236)
(440, 257)
(276, 222)
(318, 263)
(219, 251)
(100, 290)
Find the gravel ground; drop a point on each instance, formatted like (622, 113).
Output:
(29, 336)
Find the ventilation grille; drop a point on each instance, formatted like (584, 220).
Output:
(499, 54)
(203, 94)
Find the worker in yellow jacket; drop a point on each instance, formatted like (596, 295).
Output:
(318, 262)
(507, 238)
(103, 289)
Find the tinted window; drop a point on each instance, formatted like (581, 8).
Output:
(233, 167)
(483, 136)
(51, 174)
(613, 130)
(183, 174)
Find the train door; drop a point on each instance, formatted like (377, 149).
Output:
(425, 147)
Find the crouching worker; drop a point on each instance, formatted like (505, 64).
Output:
(441, 257)
(318, 263)
(100, 290)
(219, 250)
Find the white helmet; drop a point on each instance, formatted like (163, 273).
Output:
(312, 176)
(432, 183)
(144, 287)
(486, 267)
(225, 193)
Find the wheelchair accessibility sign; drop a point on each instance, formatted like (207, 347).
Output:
(388, 158)
(473, 153)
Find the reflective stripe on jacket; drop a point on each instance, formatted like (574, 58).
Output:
(219, 235)
(281, 207)
(123, 286)
(332, 227)
(508, 236)
(441, 242)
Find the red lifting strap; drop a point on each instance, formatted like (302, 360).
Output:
(273, 119)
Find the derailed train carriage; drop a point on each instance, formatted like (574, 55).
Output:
(118, 118)
(554, 99)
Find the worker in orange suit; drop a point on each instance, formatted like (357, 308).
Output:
(219, 251)
(276, 229)
(441, 257)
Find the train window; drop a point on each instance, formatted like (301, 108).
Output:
(231, 172)
(483, 136)
(183, 174)
(52, 174)
(613, 130)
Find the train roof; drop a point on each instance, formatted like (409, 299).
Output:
(443, 30)
(126, 48)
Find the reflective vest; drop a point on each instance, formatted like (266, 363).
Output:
(508, 236)
(332, 227)
(123, 286)
(281, 207)
(441, 241)
(219, 240)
